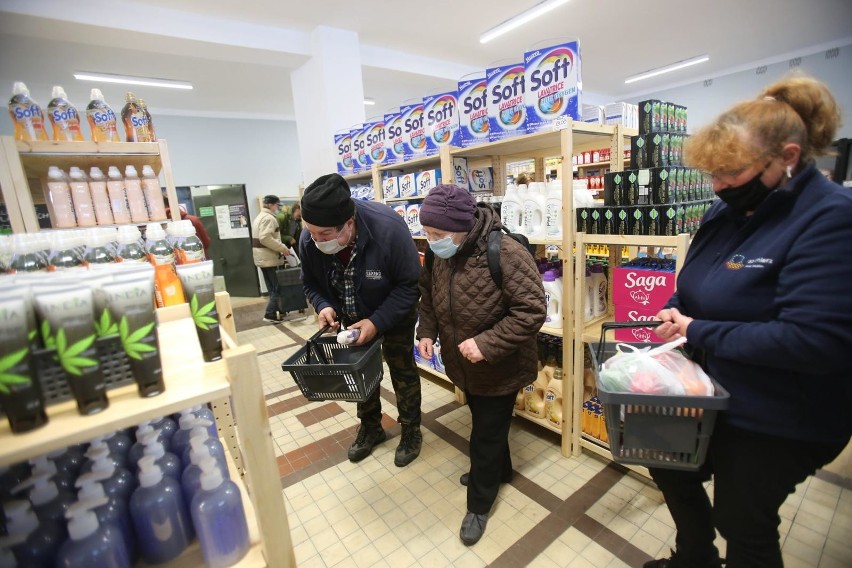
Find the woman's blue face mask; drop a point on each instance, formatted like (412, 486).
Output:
(444, 248)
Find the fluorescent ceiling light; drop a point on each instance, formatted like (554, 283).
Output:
(130, 80)
(668, 68)
(369, 102)
(521, 19)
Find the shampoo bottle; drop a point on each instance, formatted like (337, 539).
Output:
(168, 462)
(49, 501)
(117, 481)
(26, 254)
(188, 248)
(91, 544)
(63, 253)
(129, 247)
(160, 516)
(99, 249)
(167, 287)
(190, 479)
(219, 518)
(200, 434)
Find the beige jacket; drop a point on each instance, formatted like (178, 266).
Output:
(266, 245)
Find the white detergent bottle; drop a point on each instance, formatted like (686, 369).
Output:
(534, 206)
(553, 211)
(91, 544)
(553, 300)
(599, 292)
(219, 518)
(512, 209)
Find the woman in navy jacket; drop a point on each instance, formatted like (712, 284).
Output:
(764, 299)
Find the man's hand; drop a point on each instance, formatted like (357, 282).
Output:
(327, 317)
(470, 351)
(368, 331)
(426, 348)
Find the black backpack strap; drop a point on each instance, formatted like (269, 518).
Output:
(429, 259)
(494, 256)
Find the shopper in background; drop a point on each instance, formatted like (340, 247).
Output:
(290, 223)
(360, 266)
(268, 251)
(487, 333)
(763, 299)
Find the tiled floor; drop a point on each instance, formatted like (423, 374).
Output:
(557, 511)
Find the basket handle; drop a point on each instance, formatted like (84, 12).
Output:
(311, 346)
(613, 325)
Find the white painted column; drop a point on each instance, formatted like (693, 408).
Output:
(328, 95)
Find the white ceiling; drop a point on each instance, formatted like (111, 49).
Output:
(239, 55)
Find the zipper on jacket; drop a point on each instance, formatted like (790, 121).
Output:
(453, 317)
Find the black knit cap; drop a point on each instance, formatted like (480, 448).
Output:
(327, 202)
(271, 200)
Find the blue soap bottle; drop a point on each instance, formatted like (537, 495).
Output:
(167, 427)
(137, 450)
(169, 463)
(117, 481)
(91, 545)
(110, 510)
(48, 500)
(219, 518)
(33, 543)
(160, 516)
(202, 434)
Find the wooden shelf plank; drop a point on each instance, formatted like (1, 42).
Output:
(415, 164)
(554, 331)
(434, 372)
(87, 147)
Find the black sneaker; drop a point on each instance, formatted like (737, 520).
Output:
(465, 478)
(472, 528)
(673, 562)
(367, 439)
(409, 446)
(276, 319)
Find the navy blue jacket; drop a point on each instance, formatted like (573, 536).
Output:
(771, 295)
(387, 267)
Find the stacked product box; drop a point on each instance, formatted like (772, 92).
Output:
(411, 188)
(640, 289)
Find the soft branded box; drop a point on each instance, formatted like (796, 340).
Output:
(481, 179)
(552, 85)
(441, 113)
(507, 114)
(408, 185)
(390, 187)
(426, 180)
(635, 334)
(374, 140)
(412, 218)
(394, 144)
(413, 131)
(400, 207)
(473, 111)
(360, 156)
(343, 145)
(460, 173)
(640, 288)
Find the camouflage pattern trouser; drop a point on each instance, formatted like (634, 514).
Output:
(397, 349)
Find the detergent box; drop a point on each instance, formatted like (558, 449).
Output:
(441, 114)
(460, 173)
(642, 288)
(481, 179)
(399, 208)
(553, 82)
(394, 146)
(473, 110)
(426, 180)
(507, 113)
(408, 185)
(343, 144)
(635, 334)
(390, 187)
(360, 159)
(374, 140)
(413, 132)
(412, 218)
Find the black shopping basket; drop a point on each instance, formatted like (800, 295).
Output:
(671, 432)
(327, 370)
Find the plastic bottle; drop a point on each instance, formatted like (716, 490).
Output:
(64, 117)
(200, 434)
(167, 428)
(99, 248)
(26, 254)
(219, 518)
(137, 450)
(512, 210)
(135, 121)
(129, 247)
(49, 501)
(117, 481)
(84, 209)
(60, 206)
(102, 119)
(117, 196)
(160, 517)
(111, 510)
(170, 464)
(91, 544)
(167, 287)
(188, 247)
(68, 460)
(135, 196)
(152, 136)
(100, 197)
(534, 205)
(26, 114)
(180, 441)
(153, 194)
(63, 253)
(37, 542)
(118, 444)
(589, 305)
(553, 399)
(43, 465)
(553, 300)
(599, 291)
(553, 211)
(5, 252)
(190, 479)
(534, 395)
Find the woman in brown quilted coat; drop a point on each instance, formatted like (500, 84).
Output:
(487, 332)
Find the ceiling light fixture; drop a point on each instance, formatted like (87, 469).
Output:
(668, 68)
(369, 102)
(130, 80)
(521, 19)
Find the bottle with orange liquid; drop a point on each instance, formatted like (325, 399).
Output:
(152, 136)
(64, 117)
(135, 121)
(26, 114)
(102, 119)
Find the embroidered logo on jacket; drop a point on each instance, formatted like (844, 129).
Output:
(739, 261)
(374, 274)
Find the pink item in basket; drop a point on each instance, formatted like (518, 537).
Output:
(645, 289)
(636, 334)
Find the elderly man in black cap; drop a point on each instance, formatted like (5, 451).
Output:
(360, 267)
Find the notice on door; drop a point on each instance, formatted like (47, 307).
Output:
(232, 221)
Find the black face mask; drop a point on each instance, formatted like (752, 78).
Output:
(746, 197)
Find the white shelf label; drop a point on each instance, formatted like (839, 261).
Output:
(560, 123)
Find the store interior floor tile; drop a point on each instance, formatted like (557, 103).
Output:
(557, 511)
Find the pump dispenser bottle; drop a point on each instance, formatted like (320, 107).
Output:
(168, 462)
(33, 543)
(219, 518)
(112, 510)
(91, 544)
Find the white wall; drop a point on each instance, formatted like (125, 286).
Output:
(705, 100)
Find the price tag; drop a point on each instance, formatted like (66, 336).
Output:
(560, 123)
